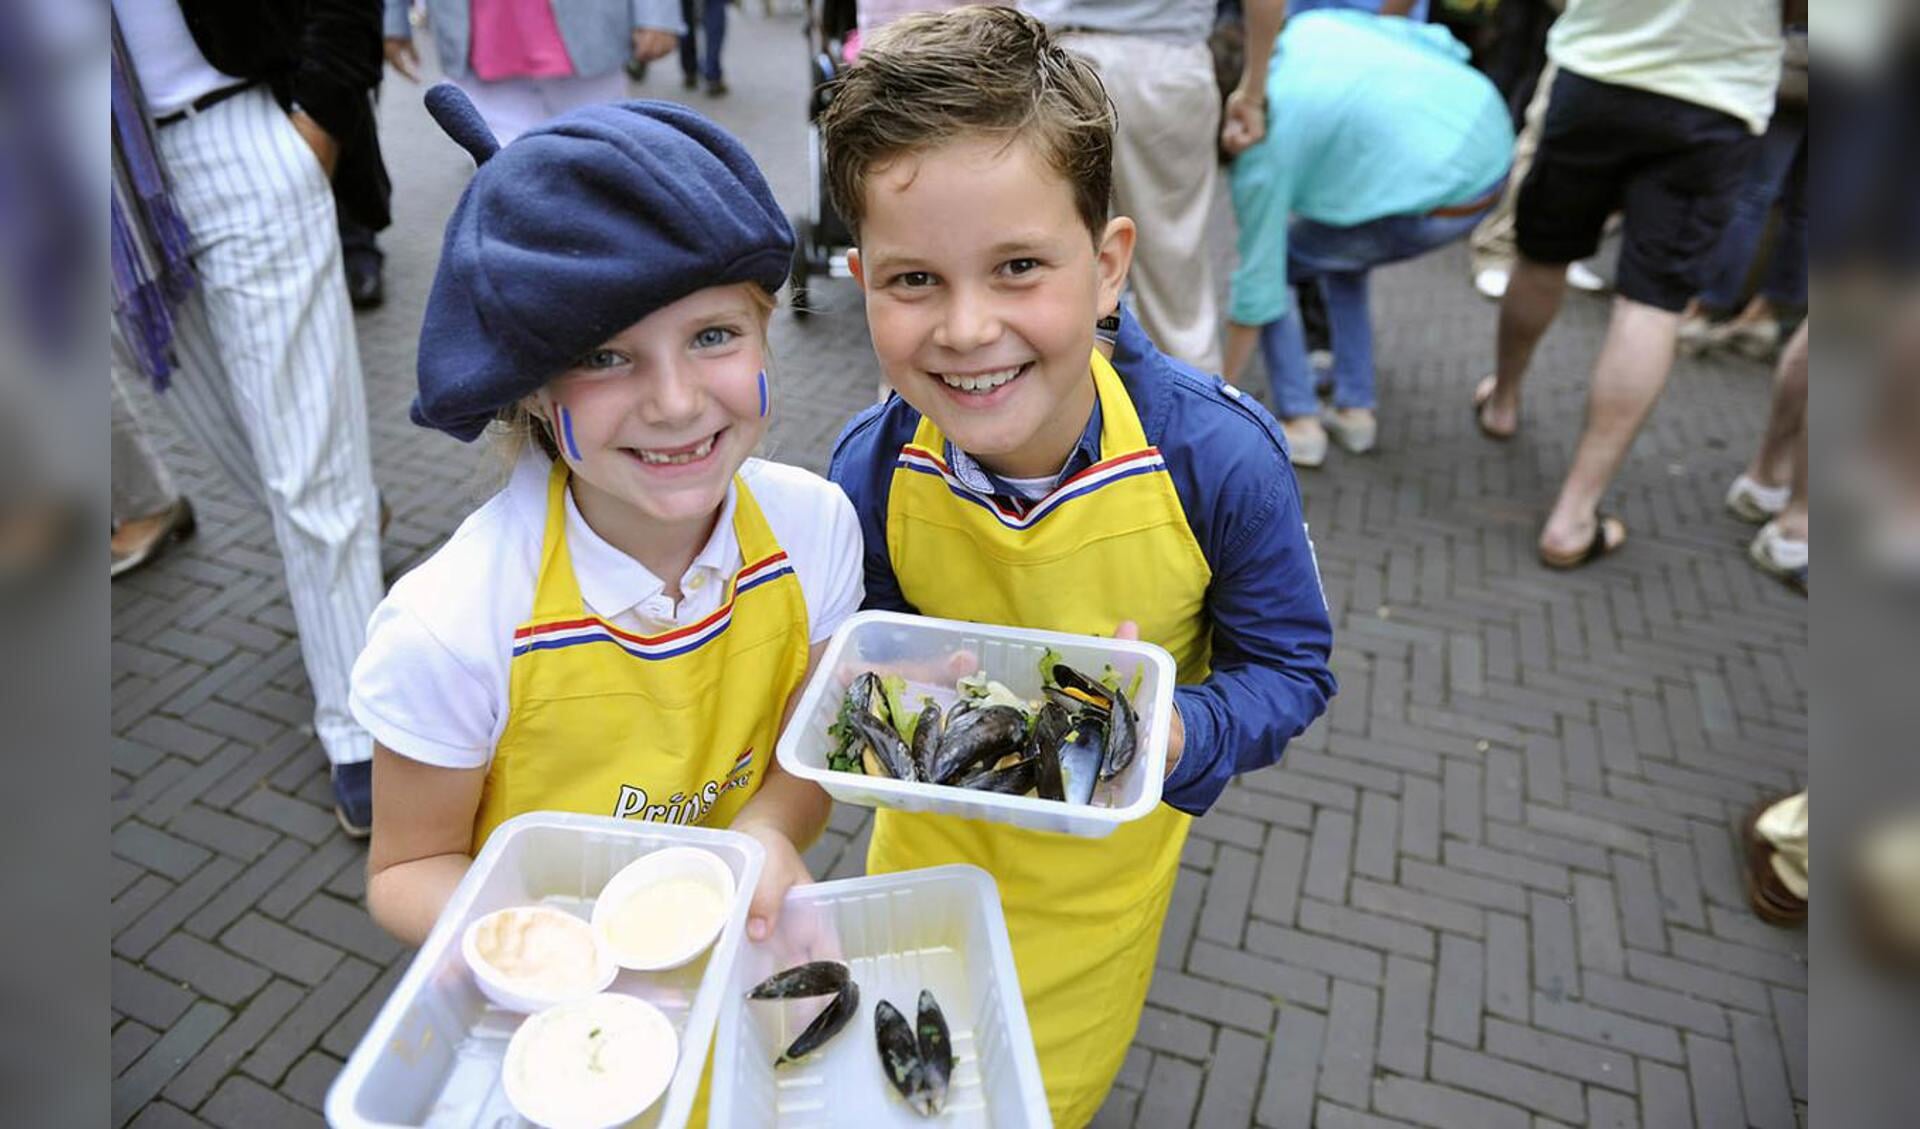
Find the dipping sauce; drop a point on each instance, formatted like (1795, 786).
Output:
(539, 951)
(591, 1063)
(659, 922)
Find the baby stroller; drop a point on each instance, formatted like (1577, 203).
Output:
(821, 238)
(834, 28)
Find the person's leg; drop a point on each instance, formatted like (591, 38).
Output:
(1350, 323)
(1785, 282)
(1725, 273)
(142, 486)
(1165, 176)
(690, 43)
(714, 23)
(364, 262)
(1635, 358)
(1676, 201)
(273, 304)
(1527, 310)
(1283, 346)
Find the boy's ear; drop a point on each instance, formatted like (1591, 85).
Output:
(1112, 258)
(854, 268)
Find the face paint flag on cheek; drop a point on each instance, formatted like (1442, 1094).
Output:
(566, 433)
(763, 394)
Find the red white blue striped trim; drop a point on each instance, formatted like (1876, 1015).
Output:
(593, 629)
(742, 763)
(1087, 481)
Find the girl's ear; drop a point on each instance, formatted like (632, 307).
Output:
(1113, 256)
(854, 268)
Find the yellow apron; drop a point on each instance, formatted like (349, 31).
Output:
(1110, 543)
(676, 727)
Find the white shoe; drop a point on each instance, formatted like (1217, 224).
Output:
(1580, 276)
(1492, 282)
(1750, 501)
(1306, 441)
(1356, 431)
(1778, 554)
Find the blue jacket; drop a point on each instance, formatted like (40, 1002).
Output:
(1271, 634)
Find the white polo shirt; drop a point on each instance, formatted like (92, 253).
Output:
(432, 682)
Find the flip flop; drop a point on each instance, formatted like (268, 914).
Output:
(1597, 548)
(1480, 397)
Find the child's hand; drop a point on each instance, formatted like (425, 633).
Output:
(1176, 732)
(785, 869)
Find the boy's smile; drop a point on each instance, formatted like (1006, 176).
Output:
(982, 286)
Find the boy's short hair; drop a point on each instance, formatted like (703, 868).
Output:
(937, 77)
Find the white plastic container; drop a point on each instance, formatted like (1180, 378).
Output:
(940, 929)
(432, 1055)
(931, 654)
(666, 865)
(517, 995)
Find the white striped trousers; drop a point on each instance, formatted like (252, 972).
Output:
(268, 377)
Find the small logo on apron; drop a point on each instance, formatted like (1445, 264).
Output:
(682, 807)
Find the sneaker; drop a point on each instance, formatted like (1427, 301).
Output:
(1492, 282)
(716, 87)
(353, 798)
(1580, 276)
(1756, 339)
(1752, 502)
(1698, 333)
(1306, 441)
(689, 81)
(1780, 555)
(1355, 429)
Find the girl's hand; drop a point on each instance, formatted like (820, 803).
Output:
(785, 869)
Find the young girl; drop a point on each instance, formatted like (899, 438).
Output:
(624, 628)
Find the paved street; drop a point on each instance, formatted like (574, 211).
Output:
(1495, 887)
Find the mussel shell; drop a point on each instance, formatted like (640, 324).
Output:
(1122, 737)
(869, 697)
(1016, 779)
(899, 1053)
(926, 738)
(825, 1025)
(1081, 755)
(1050, 728)
(979, 736)
(887, 747)
(1089, 692)
(936, 1054)
(815, 978)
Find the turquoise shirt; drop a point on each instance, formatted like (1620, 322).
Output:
(1368, 117)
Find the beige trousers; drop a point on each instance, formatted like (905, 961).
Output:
(1165, 174)
(1493, 240)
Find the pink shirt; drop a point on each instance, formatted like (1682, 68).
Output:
(517, 39)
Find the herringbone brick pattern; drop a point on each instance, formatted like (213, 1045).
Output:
(1496, 886)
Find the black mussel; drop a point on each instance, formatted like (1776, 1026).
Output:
(1016, 779)
(1091, 694)
(886, 754)
(825, 1025)
(1081, 755)
(1122, 737)
(870, 698)
(1050, 728)
(979, 736)
(926, 738)
(900, 1053)
(936, 1056)
(815, 978)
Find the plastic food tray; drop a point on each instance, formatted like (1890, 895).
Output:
(923, 650)
(432, 1055)
(938, 928)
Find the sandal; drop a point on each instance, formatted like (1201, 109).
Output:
(1481, 395)
(1599, 547)
(1772, 902)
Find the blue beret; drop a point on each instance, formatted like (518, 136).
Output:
(572, 233)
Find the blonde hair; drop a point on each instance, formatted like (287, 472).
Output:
(514, 426)
(936, 77)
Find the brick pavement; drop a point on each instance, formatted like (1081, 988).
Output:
(1495, 886)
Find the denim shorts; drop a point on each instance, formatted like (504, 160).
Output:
(1673, 167)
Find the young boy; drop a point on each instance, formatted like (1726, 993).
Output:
(1022, 477)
